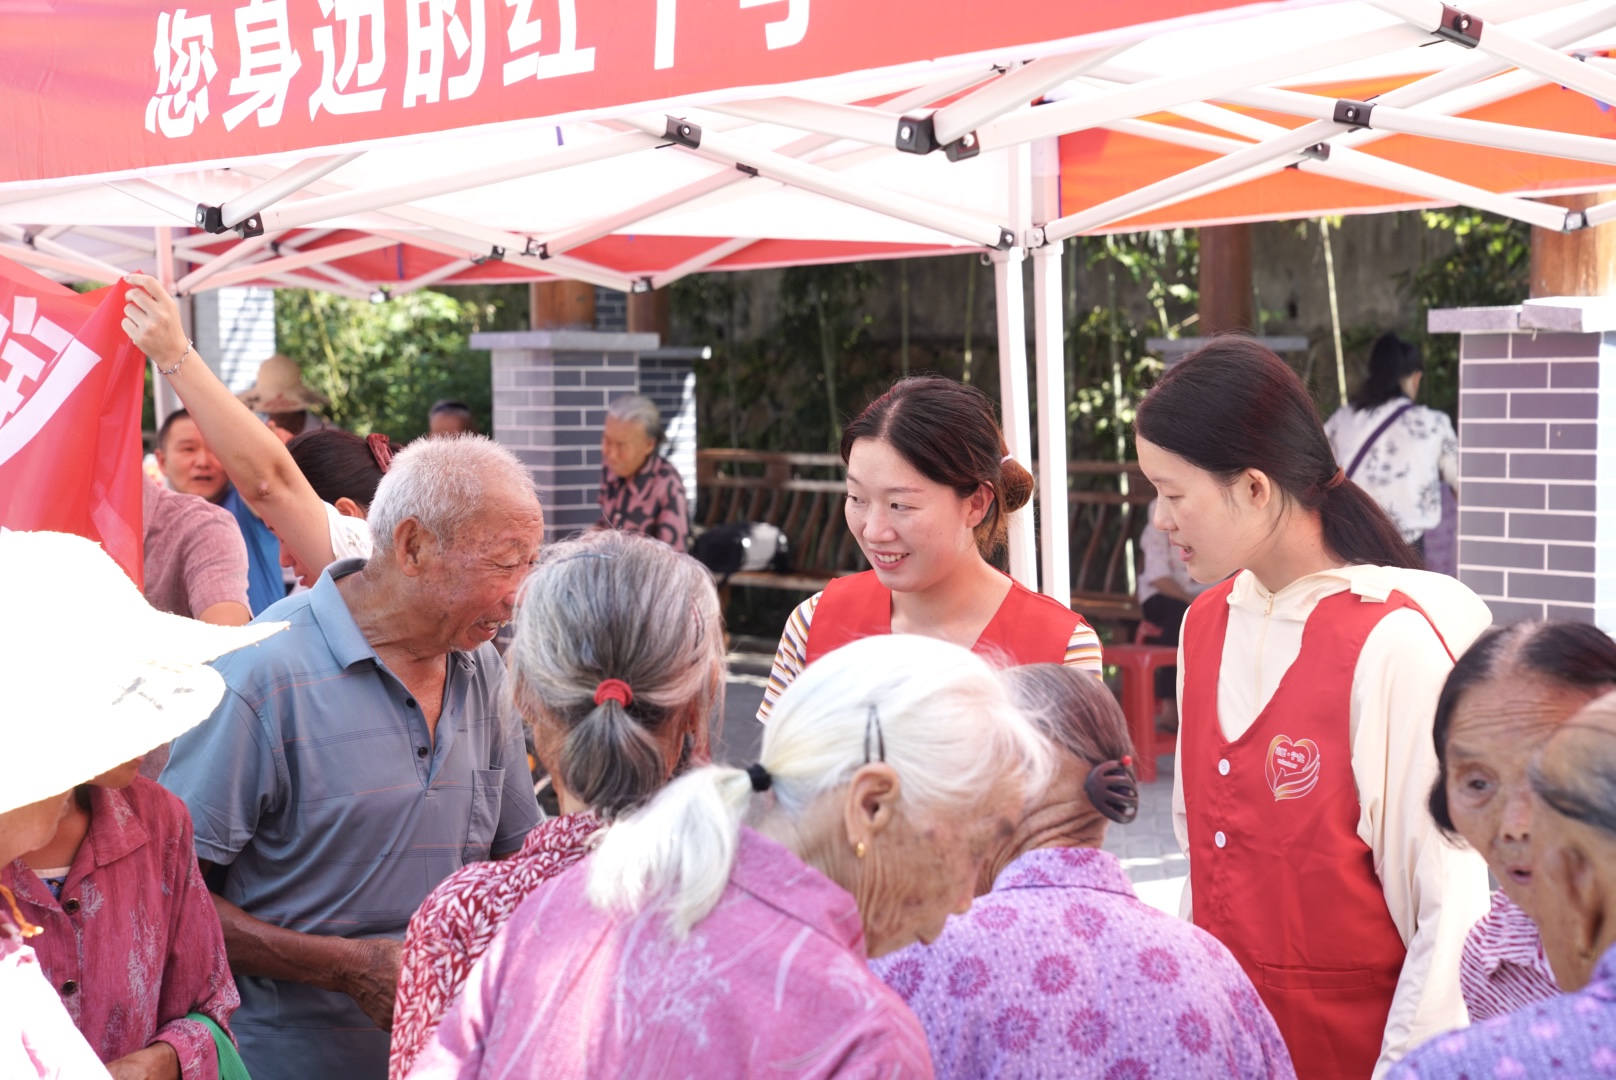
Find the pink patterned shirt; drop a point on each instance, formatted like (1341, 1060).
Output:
(772, 983)
(134, 943)
(459, 920)
(1503, 966)
(1062, 971)
(37, 1037)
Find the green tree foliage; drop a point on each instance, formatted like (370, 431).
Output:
(384, 364)
(1108, 369)
(1487, 264)
(796, 387)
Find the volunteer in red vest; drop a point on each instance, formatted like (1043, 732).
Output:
(930, 491)
(1308, 681)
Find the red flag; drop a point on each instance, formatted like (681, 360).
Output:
(70, 396)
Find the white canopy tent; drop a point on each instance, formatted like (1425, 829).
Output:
(1183, 113)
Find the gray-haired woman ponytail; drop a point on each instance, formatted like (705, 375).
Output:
(618, 663)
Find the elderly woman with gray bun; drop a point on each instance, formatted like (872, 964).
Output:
(722, 931)
(1061, 970)
(1573, 828)
(618, 666)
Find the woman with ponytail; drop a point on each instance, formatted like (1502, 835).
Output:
(1308, 682)
(722, 931)
(930, 491)
(617, 665)
(1121, 991)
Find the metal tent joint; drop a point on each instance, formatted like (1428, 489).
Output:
(531, 250)
(210, 219)
(917, 134)
(745, 168)
(1007, 240)
(1036, 238)
(642, 285)
(966, 146)
(1354, 114)
(1459, 27)
(495, 254)
(1575, 220)
(682, 132)
(1319, 151)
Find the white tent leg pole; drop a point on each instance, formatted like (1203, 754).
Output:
(1011, 306)
(1049, 340)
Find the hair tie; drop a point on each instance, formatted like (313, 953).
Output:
(1007, 457)
(381, 448)
(1113, 790)
(1335, 481)
(614, 690)
(761, 780)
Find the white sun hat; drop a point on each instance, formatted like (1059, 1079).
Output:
(92, 676)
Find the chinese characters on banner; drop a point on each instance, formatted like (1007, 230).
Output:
(444, 55)
(71, 389)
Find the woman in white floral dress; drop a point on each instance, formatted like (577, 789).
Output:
(1399, 452)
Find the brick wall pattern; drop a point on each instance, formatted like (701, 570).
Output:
(1537, 436)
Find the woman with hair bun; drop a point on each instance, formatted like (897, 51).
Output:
(930, 491)
(1121, 989)
(723, 929)
(1309, 678)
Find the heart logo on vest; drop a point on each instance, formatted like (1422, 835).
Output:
(1293, 767)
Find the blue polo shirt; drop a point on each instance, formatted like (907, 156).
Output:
(265, 584)
(316, 783)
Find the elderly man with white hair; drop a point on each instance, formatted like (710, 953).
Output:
(640, 492)
(363, 756)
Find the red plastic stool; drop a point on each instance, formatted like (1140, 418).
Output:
(1138, 665)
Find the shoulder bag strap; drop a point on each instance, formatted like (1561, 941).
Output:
(1363, 450)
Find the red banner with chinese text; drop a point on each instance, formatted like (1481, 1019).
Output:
(70, 397)
(116, 87)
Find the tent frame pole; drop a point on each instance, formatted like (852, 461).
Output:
(1049, 350)
(1010, 306)
(288, 182)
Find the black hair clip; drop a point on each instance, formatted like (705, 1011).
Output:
(872, 724)
(1113, 789)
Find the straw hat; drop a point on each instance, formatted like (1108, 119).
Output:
(92, 676)
(280, 388)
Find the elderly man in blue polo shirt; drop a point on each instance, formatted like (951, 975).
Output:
(363, 756)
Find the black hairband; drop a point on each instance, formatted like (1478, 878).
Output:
(761, 780)
(1113, 790)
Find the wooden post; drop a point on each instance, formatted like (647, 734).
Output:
(648, 313)
(1581, 263)
(1226, 298)
(562, 305)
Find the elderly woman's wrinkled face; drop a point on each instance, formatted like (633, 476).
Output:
(625, 447)
(922, 871)
(1497, 726)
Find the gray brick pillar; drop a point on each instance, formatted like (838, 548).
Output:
(668, 377)
(550, 393)
(1537, 427)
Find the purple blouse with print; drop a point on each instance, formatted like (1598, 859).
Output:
(1062, 971)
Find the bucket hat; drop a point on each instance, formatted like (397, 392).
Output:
(280, 388)
(92, 676)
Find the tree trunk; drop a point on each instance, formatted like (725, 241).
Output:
(1225, 280)
(562, 305)
(649, 313)
(1581, 263)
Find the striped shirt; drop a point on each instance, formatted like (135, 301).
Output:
(1503, 966)
(791, 658)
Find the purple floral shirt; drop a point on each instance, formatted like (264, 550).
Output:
(1062, 971)
(772, 983)
(1569, 1035)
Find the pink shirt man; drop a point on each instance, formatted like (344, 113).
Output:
(195, 557)
(772, 983)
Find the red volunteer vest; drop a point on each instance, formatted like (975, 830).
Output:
(1277, 871)
(1028, 628)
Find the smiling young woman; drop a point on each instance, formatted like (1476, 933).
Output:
(1309, 678)
(930, 491)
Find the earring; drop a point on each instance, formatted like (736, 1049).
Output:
(859, 850)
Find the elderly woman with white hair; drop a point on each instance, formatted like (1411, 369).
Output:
(724, 929)
(639, 491)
